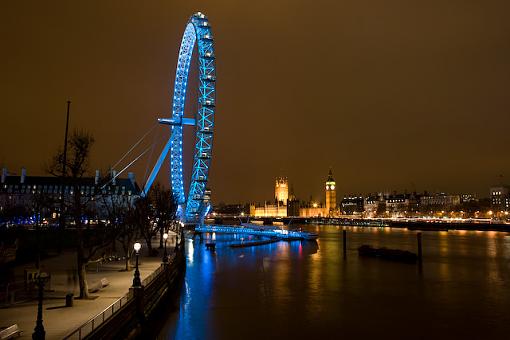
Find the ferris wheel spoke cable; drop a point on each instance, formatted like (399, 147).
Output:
(135, 145)
(126, 167)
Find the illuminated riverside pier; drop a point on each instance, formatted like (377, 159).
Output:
(266, 231)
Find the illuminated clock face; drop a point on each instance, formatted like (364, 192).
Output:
(332, 187)
(327, 187)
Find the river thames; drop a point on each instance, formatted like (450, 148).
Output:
(308, 290)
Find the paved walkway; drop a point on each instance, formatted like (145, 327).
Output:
(59, 322)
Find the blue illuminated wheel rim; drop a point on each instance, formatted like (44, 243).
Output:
(194, 208)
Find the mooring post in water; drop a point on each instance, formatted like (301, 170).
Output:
(418, 236)
(344, 236)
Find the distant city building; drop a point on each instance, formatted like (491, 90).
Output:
(374, 205)
(281, 190)
(230, 209)
(383, 204)
(278, 208)
(19, 193)
(293, 206)
(330, 195)
(317, 209)
(439, 201)
(500, 198)
(313, 209)
(398, 204)
(352, 205)
(468, 198)
(268, 210)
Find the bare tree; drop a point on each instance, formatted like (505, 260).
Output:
(89, 242)
(143, 216)
(80, 145)
(124, 221)
(128, 232)
(41, 204)
(165, 208)
(91, 245)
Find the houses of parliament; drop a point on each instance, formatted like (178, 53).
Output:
(285, 203)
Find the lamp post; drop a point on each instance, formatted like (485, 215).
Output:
(165, 254)
(64, 163)
(136, 280)
(180, 235)
(178, 232)
(39, 332)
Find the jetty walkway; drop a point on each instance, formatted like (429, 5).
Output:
(267, 231)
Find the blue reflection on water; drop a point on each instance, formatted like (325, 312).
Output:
(308, 290)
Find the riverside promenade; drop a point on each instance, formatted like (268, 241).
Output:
(59, 320)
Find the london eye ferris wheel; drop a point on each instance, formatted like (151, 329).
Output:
(195, 206)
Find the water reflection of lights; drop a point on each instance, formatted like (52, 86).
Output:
(283, 249)
(191, 251)
(491, 244)
(492, 234)
(456, 275)
(443, 243)
(506, 246)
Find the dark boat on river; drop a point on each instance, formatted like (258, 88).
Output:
(388, 254)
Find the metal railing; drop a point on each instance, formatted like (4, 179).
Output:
(98, 319)
(112, 309)
(155, 273)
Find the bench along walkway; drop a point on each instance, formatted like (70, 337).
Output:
(10, 332)
(59, 320)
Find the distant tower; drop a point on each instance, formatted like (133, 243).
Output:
(281, 190)
(330, 193)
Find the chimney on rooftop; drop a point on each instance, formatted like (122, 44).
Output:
(23, 175)
(114, 176)
(131, 177)
(96, 179)
(4, 174)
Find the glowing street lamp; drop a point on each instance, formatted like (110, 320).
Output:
(137, 283)
(165, 255)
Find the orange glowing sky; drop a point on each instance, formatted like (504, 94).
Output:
(392, 95)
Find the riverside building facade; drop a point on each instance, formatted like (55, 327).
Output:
(22, 197)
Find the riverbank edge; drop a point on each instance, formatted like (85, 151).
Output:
(133, 319)
(416, 225)
(403, 223)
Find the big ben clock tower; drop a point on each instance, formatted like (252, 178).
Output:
(330, 194)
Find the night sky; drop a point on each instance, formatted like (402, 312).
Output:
(392, 95)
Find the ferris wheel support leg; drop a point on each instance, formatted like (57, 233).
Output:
(156, 168)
